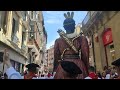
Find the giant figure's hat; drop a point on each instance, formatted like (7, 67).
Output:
(69, 18)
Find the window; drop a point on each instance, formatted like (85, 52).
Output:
(32, 31)
(14, 28)
(22, 68)
(35, 33)
(17, 66)
(13, 63)
(24, 15)
(36, 16)
(3, 20)
(31, 14)
(33, 59)
(0, 18)
(23, 35)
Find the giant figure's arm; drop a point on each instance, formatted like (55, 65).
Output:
(57, 55)
(85, 51)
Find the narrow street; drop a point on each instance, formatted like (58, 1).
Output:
(46, 42)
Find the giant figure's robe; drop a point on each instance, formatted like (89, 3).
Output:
(81, 43)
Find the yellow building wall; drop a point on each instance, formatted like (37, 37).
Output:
(97, 55)
(114, 24)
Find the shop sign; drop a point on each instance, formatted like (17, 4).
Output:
(107, 36)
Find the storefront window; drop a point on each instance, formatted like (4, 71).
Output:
(112, 51)
(13, 63)
(22, 68)
(18, 66)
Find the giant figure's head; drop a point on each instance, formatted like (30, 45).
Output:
(69, 23)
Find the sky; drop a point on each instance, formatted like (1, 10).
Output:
(53, 21)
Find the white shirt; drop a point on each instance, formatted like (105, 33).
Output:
(88, 77)
(13, 74)
(42, 78)
(107, 76)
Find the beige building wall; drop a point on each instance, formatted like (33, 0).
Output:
(97, 55)
(14, 49)
(114, 24)
(108, 21)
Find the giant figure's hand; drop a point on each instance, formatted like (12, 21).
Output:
(6, 59)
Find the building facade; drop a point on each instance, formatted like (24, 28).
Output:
(102, 29)
(22, 33)
(37, 38)
(11, 37)
(50, 58)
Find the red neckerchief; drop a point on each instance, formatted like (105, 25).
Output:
(93, 75)
(30, 75)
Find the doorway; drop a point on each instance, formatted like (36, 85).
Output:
(110, 53)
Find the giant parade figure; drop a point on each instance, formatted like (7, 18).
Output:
(70, 47)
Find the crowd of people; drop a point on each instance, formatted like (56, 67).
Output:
(107, 73)
(70, 68)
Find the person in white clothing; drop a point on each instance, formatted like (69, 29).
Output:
(108, 76)
(11, 72)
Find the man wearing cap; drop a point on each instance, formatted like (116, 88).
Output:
(116, 63)
(72, 47)
(32, 71)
